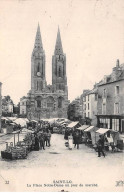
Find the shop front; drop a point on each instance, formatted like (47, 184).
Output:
(114, 122)
(83, 135)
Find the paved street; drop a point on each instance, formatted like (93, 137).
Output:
(57, 162)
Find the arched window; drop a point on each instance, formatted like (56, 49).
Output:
(41, 87)
(38, 67)
(38, 103)
(42, 68)
(37, 85)
(60, 99)
(59, 71)
(50, 102)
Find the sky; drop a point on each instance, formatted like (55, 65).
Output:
(92, 34)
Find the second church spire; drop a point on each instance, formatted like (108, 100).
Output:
(38, 40)
(58, 47)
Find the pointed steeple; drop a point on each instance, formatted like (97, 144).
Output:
(58, 47)
(38, 41)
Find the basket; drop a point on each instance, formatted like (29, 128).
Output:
(66, 144)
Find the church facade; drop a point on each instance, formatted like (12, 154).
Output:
(47, 101)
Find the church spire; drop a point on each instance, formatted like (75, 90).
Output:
(58, 47)
(38, 41)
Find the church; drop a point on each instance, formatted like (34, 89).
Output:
(47, 101)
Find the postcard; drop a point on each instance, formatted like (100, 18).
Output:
(62, 96)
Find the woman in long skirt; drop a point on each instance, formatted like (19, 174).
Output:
(70, 141)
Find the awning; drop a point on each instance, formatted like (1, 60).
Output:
(27, 131)
(12, 118)
(12, 123)
(83, 127)
(113, 131)
(20, 121)
(16, 132)
(34, 121)
(64, 124)
(102, 130)
(26, 120)
(4, 118)
(73, 124)
(89, 129)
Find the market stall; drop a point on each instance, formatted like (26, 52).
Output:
(20, 145)
(21, 122)
(112, 138)
(90, 134)
(83, 135)
(71, 128)
(14, 151)
(117, 142)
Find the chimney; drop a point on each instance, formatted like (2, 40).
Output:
(117, 63)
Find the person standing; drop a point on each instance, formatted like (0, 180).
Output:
(45, 138)
(48, 137)
(70, 141)
(36, 143)
(41, 140)
(77, 139)
(100, 146)
(74, 138)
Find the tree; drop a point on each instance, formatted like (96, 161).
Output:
(7, 99)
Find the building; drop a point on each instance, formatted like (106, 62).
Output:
(23, 106)
(85, 101)
(111, 100)
(7, 106)
(48, 101)
(90, 104)
(0, 104)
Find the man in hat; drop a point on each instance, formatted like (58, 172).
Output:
(100, 146)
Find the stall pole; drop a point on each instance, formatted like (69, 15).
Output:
(18, 137)
(14, 139)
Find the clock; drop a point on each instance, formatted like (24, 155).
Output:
(38, 74)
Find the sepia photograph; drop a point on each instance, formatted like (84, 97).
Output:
(62, 96)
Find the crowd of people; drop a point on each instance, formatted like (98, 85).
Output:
(42, 138)
(75, 139)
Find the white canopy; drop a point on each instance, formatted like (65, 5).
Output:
(34, 121)
(102, 130)
(15, 132)
(20, 121)
(73, 124)
(24, 130)
(4, 118)
(26, 120)
(12, 118)
(89, 129)
(66, 120)
(61, 122)
(83, 127)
